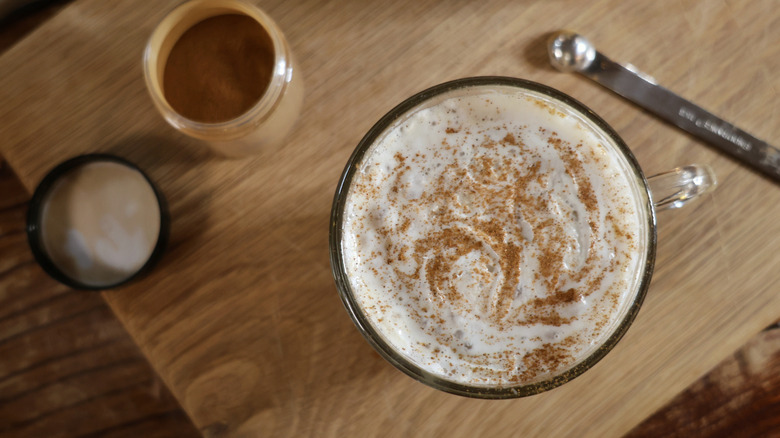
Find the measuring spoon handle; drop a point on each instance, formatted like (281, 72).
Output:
(645, 92)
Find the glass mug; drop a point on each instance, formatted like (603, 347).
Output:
(668, 190)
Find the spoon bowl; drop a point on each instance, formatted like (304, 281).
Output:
(570, 52)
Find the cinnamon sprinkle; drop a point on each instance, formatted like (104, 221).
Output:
(484, 239)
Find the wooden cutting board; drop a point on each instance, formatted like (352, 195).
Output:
(242, 319)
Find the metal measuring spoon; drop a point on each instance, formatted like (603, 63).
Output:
(570, 52)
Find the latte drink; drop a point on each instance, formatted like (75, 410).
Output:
(493, 236)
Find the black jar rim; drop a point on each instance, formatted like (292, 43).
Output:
(34, 216)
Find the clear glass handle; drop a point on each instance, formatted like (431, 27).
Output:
(677, 187)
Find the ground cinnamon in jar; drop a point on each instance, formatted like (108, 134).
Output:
(219, 68)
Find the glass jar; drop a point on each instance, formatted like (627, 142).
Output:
(260, 129)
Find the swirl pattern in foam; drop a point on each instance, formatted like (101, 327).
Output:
(492, 236)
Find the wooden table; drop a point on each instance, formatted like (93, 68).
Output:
(242, 319)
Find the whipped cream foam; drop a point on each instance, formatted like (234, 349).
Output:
(493, 236)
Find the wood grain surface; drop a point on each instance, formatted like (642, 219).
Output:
(739, 398)
(242, 320)
(68, 367)
(20, 22)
